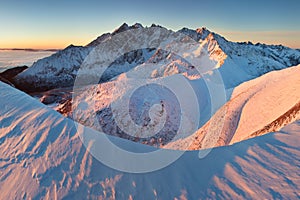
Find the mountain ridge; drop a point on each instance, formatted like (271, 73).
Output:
(260, 59)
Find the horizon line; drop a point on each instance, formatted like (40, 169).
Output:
(31, 49)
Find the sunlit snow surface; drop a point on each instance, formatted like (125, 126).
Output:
(256, 107)
(13, 58)
(42, 156)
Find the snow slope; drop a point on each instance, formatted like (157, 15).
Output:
(151, 112)
(42, 157)
(57, 70)
(256, 107)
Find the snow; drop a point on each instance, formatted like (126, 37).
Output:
(274, 95)
(42, 156)
(56, 70)
(256, 107)
(129, 108)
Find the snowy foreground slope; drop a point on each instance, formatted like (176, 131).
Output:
(256, 107)
(42, 156)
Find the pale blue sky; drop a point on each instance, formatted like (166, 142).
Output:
(55, 24)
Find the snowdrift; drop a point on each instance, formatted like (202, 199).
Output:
(263, 105)
(42, 156)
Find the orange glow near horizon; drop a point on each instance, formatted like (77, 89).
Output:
(37, 45)
(286, 38)
(42, 43)
(289, 39)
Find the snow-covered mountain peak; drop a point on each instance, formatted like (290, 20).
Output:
(194, 34)
(126, 27)
(123, 27)
(106, 36)
(137, 25)
(237, 62)
(156, 25)
(203, 31)
(57, 69)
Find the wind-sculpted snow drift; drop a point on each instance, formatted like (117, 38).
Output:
(42, 157)
(256, 107)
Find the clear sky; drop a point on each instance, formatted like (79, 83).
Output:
(58, 23)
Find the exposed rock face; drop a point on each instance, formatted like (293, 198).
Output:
(9, 74)
(6, 81)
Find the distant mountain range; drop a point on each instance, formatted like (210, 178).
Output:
(236, 62)
(28, 49)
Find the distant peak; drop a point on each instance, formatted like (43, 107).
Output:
(123, 27)
(70, 46)
(199, 33)
(105, 36)
(126, 27)
(156, 25)
(185, 29)
(202, 30)
(137, 25)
